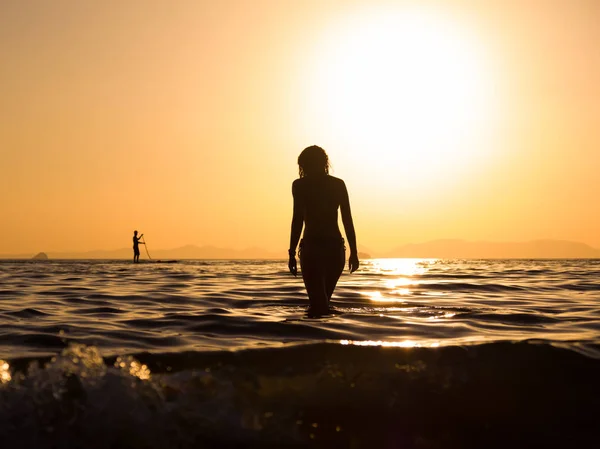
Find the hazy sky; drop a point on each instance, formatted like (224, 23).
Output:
(184, 119)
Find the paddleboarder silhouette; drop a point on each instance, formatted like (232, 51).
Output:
(136, 248)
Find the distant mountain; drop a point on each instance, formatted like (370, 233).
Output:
(363, 252)
(463, 249)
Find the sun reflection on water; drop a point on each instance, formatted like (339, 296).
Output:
(391, 344)
(402, 267)
(400, 282)
(400, 286)
(378, 297)
(442, 316)
(397, 286)
(4, 372)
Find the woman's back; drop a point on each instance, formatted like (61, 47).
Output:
(319, 197)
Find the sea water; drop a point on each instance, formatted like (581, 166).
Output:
(418, 353)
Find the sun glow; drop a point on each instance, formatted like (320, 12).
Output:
(407, 94)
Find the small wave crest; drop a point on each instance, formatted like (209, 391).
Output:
(309, 395)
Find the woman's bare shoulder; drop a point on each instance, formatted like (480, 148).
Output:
(338, 182)
(297, 185)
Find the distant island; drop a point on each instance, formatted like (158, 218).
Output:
(436, 249)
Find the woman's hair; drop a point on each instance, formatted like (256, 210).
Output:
(313, 160)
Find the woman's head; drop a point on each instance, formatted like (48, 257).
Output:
(313, 161)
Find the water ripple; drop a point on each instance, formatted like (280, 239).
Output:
(211, 305)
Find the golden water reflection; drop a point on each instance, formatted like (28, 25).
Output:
(399, 282)
(398, 286)
(402, 267)
(391, 344)
(376, 295)
(442, 316)
(4, 372)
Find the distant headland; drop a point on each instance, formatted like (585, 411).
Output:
(437, 249)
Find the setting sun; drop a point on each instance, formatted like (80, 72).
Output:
(409, 88)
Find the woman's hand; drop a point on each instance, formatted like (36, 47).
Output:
(292, 265)
(353, 263)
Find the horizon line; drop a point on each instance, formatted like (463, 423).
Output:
(271, 254)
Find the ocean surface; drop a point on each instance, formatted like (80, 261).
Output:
(420, 353)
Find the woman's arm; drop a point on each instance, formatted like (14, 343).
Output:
(296, 231)
(349, 229)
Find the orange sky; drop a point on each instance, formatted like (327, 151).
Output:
(446, 119)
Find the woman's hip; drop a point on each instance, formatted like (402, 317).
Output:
(327, 251)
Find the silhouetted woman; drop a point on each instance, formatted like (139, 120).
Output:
(317, 196)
